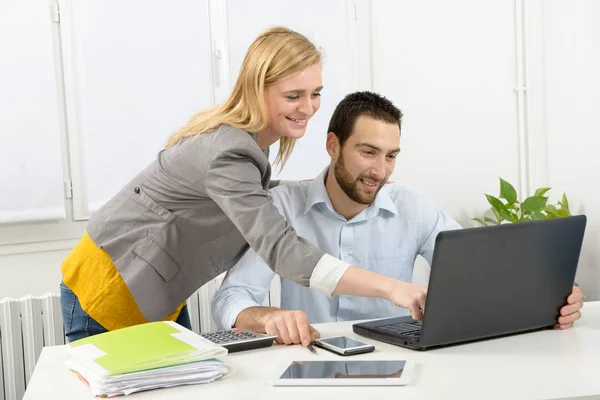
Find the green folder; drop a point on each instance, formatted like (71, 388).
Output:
(142, 347)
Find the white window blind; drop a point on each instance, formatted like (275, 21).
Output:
(31, 176)
(136, 72)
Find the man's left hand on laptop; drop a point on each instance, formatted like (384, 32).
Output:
(571, 311)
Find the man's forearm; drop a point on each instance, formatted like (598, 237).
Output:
(253, 318)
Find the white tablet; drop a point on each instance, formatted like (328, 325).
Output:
(346, 373)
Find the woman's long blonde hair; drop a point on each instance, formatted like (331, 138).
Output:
(274, 54)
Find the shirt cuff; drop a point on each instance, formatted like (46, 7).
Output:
(327, 274)
(234, 309)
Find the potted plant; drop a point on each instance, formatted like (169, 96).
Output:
(506, 208)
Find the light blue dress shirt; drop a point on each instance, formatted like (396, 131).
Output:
(385, 238)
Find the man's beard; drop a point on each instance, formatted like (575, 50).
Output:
(352, 186)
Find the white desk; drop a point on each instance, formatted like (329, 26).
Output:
(541, 365)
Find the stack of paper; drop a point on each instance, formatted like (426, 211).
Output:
(143, 357)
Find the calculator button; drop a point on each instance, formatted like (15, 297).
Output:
(239, 339)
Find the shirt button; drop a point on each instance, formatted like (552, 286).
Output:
(136, 190)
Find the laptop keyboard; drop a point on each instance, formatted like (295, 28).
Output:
(412, 329)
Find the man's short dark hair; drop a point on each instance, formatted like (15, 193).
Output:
(361, 103)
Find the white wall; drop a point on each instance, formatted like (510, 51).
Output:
(452, 73)
(564, 99)
(30, 273)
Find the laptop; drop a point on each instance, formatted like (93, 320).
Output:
(491, 281)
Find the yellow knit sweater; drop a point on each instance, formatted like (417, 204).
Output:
(90, 273)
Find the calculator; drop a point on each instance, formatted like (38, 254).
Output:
(239, 339)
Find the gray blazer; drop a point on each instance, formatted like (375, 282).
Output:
(191, 215)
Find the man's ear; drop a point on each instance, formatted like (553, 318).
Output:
(332, 145)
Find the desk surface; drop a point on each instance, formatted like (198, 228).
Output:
(542, 365)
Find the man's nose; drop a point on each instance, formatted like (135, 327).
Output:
(378, 168)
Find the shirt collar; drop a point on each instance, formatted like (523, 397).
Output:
(384, 201)
(317, 193)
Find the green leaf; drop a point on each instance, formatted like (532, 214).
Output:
(500, 207)
(491, 221)
(564, 203)
(497, 215)
(513, 206)
(541, 191)
(538, 216)
(507, 191)
(534, 203)
(480, 221)
(564, 213)
(525, 218)
(552, 211)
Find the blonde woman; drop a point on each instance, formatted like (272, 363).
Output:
(193, 212)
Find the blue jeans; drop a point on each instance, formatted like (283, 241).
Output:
(78, 324)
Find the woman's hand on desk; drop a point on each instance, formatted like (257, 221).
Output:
(571, 311)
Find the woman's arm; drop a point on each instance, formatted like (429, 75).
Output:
(235, 180)
(360, 282)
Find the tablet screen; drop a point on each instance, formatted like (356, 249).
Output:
(344, 369)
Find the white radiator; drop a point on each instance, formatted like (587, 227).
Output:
(204, 296)
(26, 325)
